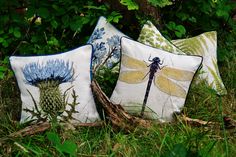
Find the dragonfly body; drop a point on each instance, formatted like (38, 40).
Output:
(154, 66)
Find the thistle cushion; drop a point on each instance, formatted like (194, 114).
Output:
(56, 86)
(153, 83)
(106, 41)
(204, 45)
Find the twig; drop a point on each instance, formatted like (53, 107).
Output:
(118, 117)
(121, 119)
(104, 61)
(31, 130)
(42, 127)
(196, 122)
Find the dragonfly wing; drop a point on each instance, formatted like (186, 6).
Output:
(169, 87)
(177, 74)
(133, 77)
(132, 63)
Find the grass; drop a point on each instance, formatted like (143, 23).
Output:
(166, 140)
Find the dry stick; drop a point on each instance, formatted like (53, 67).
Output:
(31, 130)
(117, 115)
(119, 118)
(196, 122)
(42, 127)
(101, 64)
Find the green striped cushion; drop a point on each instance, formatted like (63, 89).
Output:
(204, 45)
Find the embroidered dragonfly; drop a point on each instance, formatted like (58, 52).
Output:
(139, 70)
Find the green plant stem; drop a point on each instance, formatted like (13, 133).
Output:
(223, 127)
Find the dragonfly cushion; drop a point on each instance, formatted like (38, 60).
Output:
(56, 86)
(106, 42)
(153, 83)
(204, 45)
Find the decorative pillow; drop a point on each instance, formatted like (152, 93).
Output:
(204, 45)
(56, 86)
(152, 82)
(106, 42)
(150, 35)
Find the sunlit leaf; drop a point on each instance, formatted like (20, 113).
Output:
(17, 33)
(53, 137)
(160, 3)
(131, 5)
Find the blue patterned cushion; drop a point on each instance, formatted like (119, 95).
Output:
(106, 41)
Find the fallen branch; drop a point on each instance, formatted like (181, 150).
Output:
(31, 130)
(42, 127)
(118, 117)
(195, 122)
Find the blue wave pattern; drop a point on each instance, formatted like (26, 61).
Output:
(53, 70)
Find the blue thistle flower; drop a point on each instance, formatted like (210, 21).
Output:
(54, 70)
(97, 34)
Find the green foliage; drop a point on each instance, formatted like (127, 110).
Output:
(4, 68)
(45, 27)
(107, 78)
(201, 15)
(160, 3)
(67, 146)
(190, 18)
(178, 150)
(167, 139)
(179, 30)
(114, 17)
(131, 4)
(30, 27)
(51, 26)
